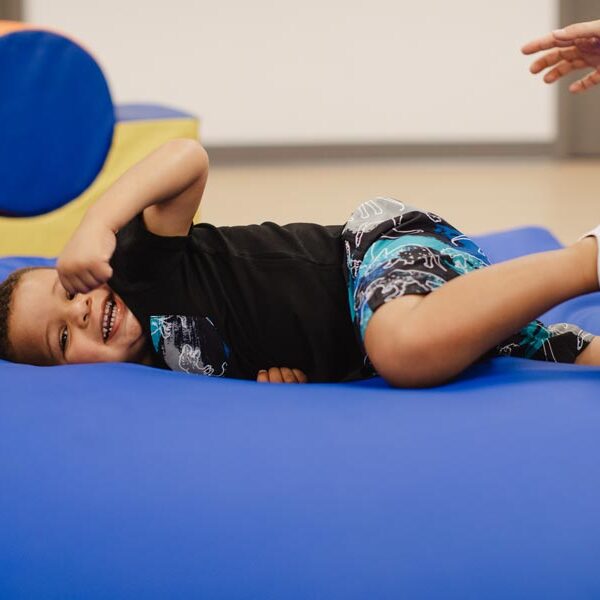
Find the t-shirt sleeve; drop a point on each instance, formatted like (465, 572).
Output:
(141, 256)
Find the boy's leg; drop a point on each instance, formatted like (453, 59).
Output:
(416, 341)
(591, 355)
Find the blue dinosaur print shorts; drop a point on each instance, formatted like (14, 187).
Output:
(392, 249)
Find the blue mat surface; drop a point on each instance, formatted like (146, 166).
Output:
(123, 481)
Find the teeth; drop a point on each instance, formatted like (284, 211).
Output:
(110, 314)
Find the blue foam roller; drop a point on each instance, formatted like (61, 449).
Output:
(56, 119)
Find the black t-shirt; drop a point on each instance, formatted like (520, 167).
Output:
(229, 301)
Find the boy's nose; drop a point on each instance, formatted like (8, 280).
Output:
(81, 310)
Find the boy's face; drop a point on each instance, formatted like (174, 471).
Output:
(44, 317)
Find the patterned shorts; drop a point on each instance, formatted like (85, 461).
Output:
(393, 249)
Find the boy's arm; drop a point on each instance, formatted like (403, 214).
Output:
(167, 186)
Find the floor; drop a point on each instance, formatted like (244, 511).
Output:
(474, 195)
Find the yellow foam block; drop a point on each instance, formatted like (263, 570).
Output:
(46, 235)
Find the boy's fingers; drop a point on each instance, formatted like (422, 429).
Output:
(101, 273)
(275, 375)
(73, 285)
(81, 283)
(281, 375)
(262, 376)
(586, 29)
(66, 283)
(288, 375)
(89, 281)
(300, 376)
(81, 286)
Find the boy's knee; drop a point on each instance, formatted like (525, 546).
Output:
(403, 354)
(406, 358)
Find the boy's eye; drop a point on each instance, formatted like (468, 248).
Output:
(63, 339)
(70, 296)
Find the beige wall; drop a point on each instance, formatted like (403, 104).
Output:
(328, 71)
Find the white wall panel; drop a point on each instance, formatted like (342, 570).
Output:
(332, 71)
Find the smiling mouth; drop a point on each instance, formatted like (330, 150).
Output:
(109, 317)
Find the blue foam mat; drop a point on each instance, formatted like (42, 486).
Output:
(124, 481)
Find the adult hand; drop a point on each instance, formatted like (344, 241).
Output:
(570, 49)
(281, 375)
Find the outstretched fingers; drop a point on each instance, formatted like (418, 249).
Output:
(578, 30)
(545, 42)
(563, 68)
(554, 57)
(586, 82)
(562, 38)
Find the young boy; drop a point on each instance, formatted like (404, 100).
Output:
(138, 283)
(396, 291)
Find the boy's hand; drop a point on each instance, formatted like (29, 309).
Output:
(83, 265)
(572, 48)
(281, 375)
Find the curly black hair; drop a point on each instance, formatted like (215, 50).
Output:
(7, 288)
